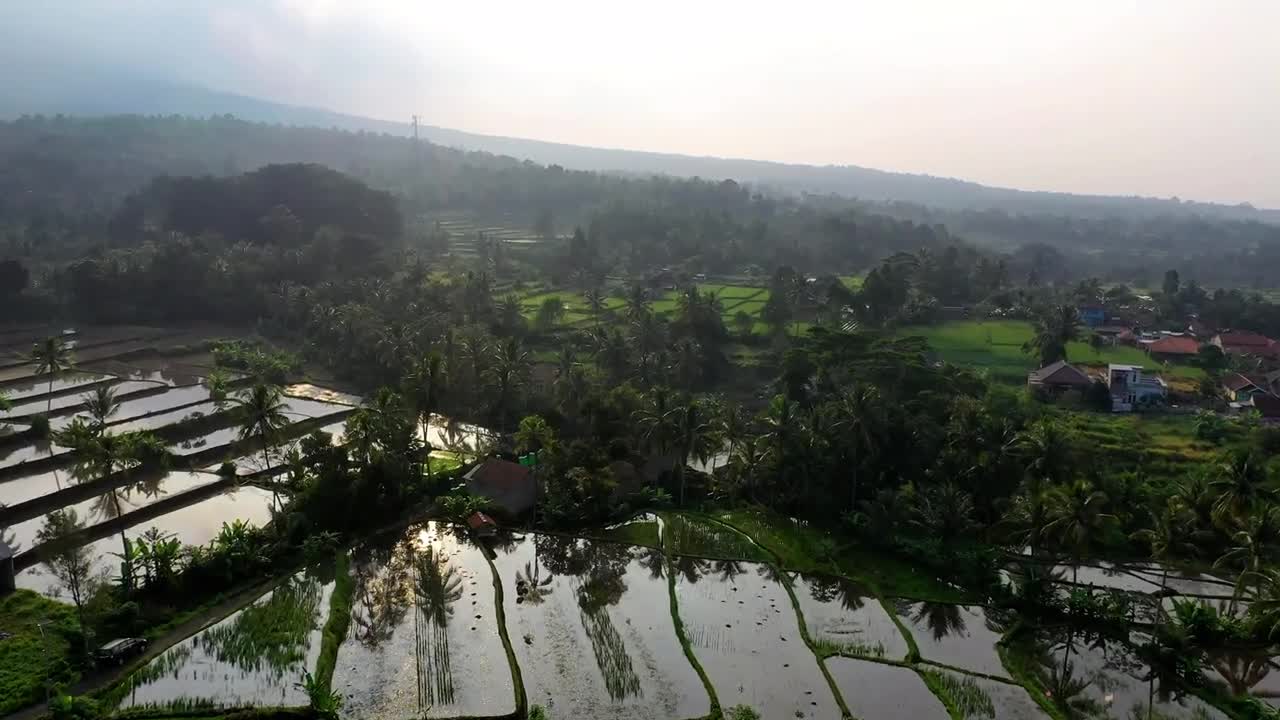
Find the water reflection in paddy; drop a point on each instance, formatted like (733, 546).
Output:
(192, 525)
(883, 692)
(1103, 678)
(40, 386)
(843, 616)
(423, 638)
(743, 628)
(957, 635)
(130, 497)
(257, 656)
(41, 406)
(592, 629)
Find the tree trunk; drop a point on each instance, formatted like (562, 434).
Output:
(266, 465)
(426, 445)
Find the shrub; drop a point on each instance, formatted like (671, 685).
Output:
(39, 426)
(742, 712)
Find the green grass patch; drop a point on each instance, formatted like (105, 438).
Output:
(29, 657)
(731, 292)
(964, 698)
(688, 535)
(853, 282)
(827, 647)
(805, 547)
(996, 345)
(640, 531)
(335, 628)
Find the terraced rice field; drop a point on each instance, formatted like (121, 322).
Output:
(423, 638)
(592, 630)
(254, 657)
(155, 392)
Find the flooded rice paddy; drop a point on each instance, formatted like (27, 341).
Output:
(845, 618)
(956, 635)
(195, 524)
(591, 626)
(423, 638)
(744, 631)
(883, 692)
(1101, 678)
(255, 657)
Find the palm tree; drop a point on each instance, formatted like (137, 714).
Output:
(858, 429)
(1054, 329)
(101, 405)
(637, 303)
(688, 364)
(262, 417)
(1048, 449)
(595, 303)
(1253, 544)
(1240, 485)
(99, 456)
(1077, 517)
(52, 356)
(510, 367)
(692, 436)
(1172, 536)
(426, 387)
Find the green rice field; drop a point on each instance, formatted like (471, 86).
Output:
(996, 346)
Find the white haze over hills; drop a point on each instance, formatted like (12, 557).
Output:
(1111, 99)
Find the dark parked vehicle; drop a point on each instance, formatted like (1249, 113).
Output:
(120, 649)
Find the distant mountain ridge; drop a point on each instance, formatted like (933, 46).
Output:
(90, 94)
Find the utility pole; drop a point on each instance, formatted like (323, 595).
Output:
(417, 145)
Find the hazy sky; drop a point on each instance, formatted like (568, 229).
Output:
(1161, 97)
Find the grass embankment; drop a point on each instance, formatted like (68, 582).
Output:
(961, 695)
(804, 547)
(640, 531)
(678, 624)
(996, 346)
(335, 628)
(521, 696)
(685, 534)
(30, 657)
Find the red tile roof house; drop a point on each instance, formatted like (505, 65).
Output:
(1174, 347)
(507, 485)
(1243, 342)
(1058, 377)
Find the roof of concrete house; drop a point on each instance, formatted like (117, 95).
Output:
(1059, 373)
(509, 485)
(1267, 405)
(1244, 338)
(1236, 382)
(1175, 345)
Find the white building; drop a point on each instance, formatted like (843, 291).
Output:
(1132, 388)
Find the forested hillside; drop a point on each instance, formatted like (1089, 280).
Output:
(61, 179)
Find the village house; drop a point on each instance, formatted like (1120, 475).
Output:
(1132, 389)
(1243, 342)
(1241, 388)
(1174, 348)
(1057, 378)
(506, 484)
(1092, 315)
(1115, 334)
